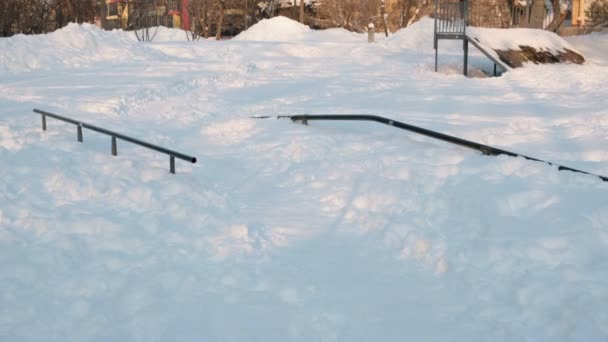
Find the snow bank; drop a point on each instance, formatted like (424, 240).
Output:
(275, 29)
(283, 29)
(417, 36)
(594, 46)
(71, 46)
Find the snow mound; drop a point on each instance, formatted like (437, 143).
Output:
(413, 36)
(594, 46)
(275, 29)
(72, 46)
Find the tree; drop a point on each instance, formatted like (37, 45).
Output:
(340, 13)
(558, 16)
(220, 22)
(384, 16)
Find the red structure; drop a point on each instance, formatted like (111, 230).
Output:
(185, 15)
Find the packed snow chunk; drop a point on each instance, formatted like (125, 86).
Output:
(279, 29)
(515, 47)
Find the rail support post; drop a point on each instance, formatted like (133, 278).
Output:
(114, 149)
(436, 53)
(79, 132)
(43, 122)
(172, 164)
(465, 68)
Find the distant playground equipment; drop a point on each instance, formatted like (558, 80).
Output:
(485, 149)
(80, 125)
(451, 21)
(453, 17)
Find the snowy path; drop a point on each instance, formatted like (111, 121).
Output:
(327, 232)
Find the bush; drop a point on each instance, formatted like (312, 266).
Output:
(598, 12)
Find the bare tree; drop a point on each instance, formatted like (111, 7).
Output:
(558, 16)
(339, 13)
(144, 19)
(384, 16)
(221, 4)
(26, 16)
(198, 13)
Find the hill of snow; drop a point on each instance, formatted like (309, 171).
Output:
(335, 231)
(275, 29)
(283, 29)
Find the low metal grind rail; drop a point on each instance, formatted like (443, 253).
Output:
(115, 136)
(485, 149)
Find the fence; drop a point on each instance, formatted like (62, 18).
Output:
(509, 15)
(450, 17)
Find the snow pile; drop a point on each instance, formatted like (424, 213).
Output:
(275, 29)
(283, 29)
(594, 46)
(70, 46)
(417, 36)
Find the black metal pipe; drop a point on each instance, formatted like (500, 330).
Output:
(485, 149)
(119, 136)
(172, 154)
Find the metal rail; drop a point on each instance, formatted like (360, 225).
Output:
(172, 154)
(485, 149)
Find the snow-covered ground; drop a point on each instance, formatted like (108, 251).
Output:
(285, 232)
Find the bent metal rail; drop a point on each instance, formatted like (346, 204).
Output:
(485, 149)
(172, 154)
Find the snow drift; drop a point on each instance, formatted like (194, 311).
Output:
(283, 29)
(275, 29)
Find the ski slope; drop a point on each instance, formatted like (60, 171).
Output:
(285, 232)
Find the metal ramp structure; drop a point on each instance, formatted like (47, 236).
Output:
(486, 51)
(451, 24)
(451, 21)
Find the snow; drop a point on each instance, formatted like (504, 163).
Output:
(594, 46)
(275, 29)
(493, 40)
(283, 232)
(512, 39)
(282, 29)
